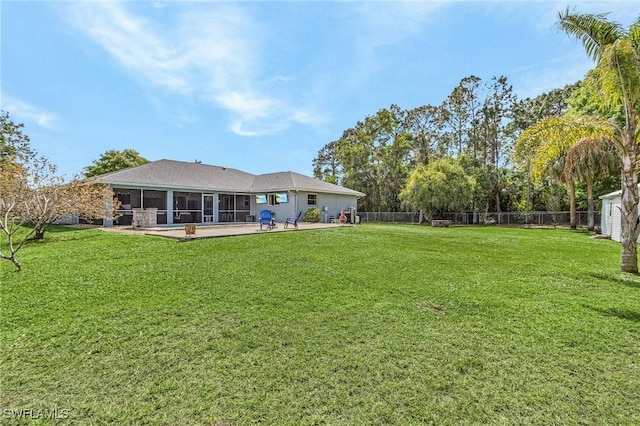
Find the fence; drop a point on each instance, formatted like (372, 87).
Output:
(542, 218)
(389, 217)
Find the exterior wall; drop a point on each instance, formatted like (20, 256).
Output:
(611, 218)
(329, 204)
(281, 211)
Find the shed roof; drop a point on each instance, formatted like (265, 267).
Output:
(614, 194)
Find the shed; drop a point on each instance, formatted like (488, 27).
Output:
(611, 215)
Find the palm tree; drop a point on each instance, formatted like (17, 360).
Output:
(588, 159)
(616, 81)
(549, 147)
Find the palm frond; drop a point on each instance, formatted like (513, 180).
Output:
(591, 157)
(548, 141)
(593, 30)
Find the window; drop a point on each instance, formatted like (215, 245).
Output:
(276, 199)
(312, 199)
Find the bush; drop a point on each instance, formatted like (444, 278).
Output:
(312, 215)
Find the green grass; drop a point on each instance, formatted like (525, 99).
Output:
(370, 324)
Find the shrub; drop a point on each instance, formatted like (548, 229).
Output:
(312, 215)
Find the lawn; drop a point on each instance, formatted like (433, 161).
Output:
(373, 324)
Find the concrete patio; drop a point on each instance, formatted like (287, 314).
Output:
(221, 230)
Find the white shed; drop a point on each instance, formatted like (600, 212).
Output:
(611, 217)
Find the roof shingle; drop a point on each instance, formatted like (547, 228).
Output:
(204, 177)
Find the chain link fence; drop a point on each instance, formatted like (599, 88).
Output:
(541, 218)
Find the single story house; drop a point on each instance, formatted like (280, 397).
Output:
(611, 217)
(183, 192)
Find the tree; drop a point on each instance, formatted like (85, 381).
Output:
(440, 186)
(587, 160)
(114, 160)
(426, 124)
(373, 157)
(50, 198)
(33, 196)
(616, 80)
(326, 166)
(526, 113)
(547, 145)
(14, 145)
(462, 111)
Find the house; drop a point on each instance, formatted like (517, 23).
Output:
(611, 215)
(183, 192)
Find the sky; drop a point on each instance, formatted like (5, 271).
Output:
(261, 86)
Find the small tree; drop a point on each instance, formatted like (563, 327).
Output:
(31, 193)
(14, 197)
(440, 186)
(51, 199)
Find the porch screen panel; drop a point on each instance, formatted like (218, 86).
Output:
(243, 207)
(226, 207)
(158, 200)
(187, 207)
(130, 199)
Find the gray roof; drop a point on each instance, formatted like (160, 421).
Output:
(170, 174)
(283, 181)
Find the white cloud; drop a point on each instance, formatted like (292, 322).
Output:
(25, 112)
(209, 52)
(247, 105)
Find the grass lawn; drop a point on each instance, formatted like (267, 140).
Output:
(372, 324)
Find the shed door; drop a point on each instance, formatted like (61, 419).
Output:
(616, 220)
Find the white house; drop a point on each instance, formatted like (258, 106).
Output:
(183, 192)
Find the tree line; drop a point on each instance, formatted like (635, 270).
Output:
(475, 129)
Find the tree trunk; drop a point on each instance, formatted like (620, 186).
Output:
(629, 203)
(39, 234)
(13, 260)
(572, 204)
(591, 214)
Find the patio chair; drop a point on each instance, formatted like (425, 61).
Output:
(266, 219)
(292, 221)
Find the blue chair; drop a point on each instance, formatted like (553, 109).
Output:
(292, 221)
(266, 219)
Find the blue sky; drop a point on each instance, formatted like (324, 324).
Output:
(260, 86)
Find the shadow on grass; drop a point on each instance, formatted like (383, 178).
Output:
(625, 314)
(629, 280)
